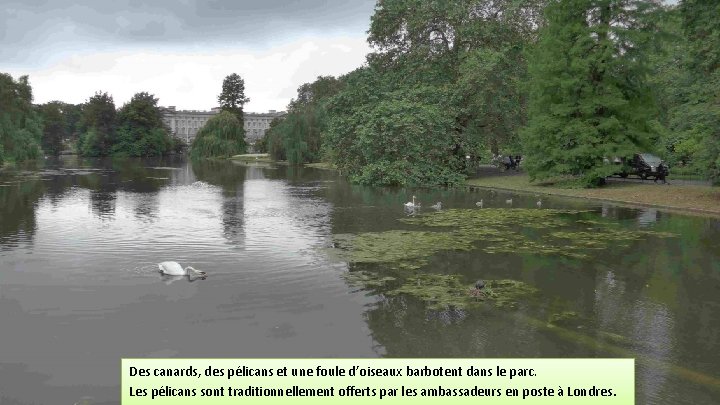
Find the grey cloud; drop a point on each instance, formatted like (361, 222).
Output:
(29, 26)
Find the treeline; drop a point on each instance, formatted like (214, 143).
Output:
(567, 83)
(94, 128)
(135, 129)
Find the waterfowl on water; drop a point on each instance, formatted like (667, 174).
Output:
(437, 206)
(539, 203)
(412, 204)
(175, 269)
(479, 203)
(478, 290)
(508, 201)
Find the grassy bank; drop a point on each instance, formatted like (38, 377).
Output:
(688, 198)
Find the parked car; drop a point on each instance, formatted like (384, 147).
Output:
(644, 165)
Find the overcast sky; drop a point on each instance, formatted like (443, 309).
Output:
(180, 50)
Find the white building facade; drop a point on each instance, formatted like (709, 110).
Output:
(185, 124)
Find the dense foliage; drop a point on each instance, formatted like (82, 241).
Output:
(54, 127)
(222, 136)
(141, 131)
(97, 125)
(701, 110)
(297, 137)
(20, 125)
(589, 100)
(442, 85)
(61, 126)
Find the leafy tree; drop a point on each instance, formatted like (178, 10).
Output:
(141, 131)
(20, 126)
(54, 126)
(588, 95)
(464, 58)
(97, 125)
(232, 98)
(470, 48)
(222, 136)
(386, 137)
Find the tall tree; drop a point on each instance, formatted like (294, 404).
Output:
(700, 23)
(97, 125)
(589, 99)
(232, 98)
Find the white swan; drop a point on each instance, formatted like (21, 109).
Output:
(479, 203)
(539, 203)
(175, 269)
(508, 201)
(412, 204)
(437, 206)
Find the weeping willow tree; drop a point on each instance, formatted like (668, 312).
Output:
(297, 137)
(20, 126)
(222, 136)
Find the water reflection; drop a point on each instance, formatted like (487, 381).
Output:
(80, 241)
(18, 199)
(648, 216)
(230, 178)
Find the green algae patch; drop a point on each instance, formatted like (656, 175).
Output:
(398, 249)
(603, 238)
(491, 219)
(442, 291)
(524, 246)
(565, 318)
(507, 293)
(388, 262)
(367, 280)
(438, 291)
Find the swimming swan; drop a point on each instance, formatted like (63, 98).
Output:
(412, 204)
(175, 269)
(437, 206)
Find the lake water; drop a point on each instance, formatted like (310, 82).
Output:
(79, 288)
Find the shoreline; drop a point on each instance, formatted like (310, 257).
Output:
(694, 199)
(697, 200)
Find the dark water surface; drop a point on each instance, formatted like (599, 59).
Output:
(79, 287)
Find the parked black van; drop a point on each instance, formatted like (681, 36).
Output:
(645, 165)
